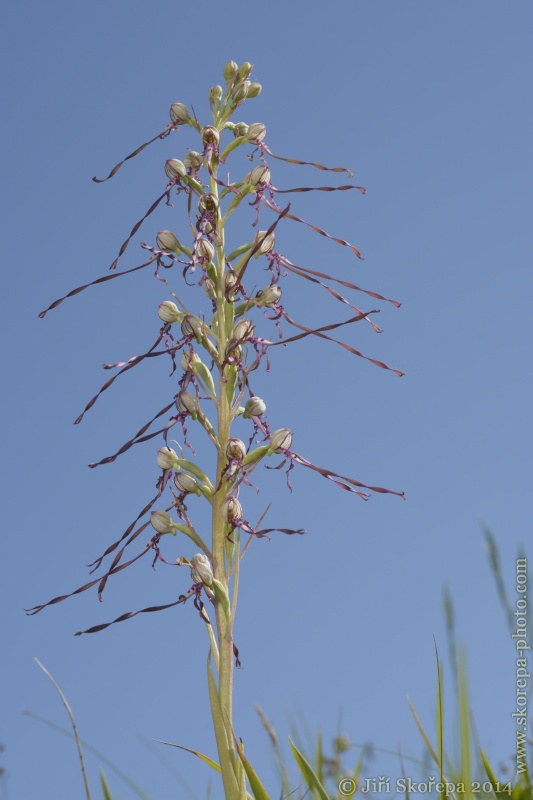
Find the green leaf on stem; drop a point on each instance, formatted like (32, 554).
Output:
(222, 596)
(225, 751)
(308, 775)
(258, 790)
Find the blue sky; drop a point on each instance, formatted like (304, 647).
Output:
(427, 103)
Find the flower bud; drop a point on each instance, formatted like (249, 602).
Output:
(184, 482)
(166, 458)
(208, 202)
(268, 296)
(179, 113)
(231, 509)
(215, 93)
(193, 160)
(169, 312)
(230, 70)
(210, 135)
(240, 92)
(259, 176)
(201, 571)
(240, 129)
(245, 70)
(230, 281)
(174, 168)
(235, 448)
(256, 132)
(192, 326)
(161, 521)
(166, 240)
(266, 243)
(254, 89)
(186, 403)
(280, 440)
(254, 407)
(205, 249)
(189, 361)
(243, 330)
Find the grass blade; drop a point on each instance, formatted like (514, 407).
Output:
(258, 790)
(205, 759)
(105, 787)
(73, 723)
(308, 775)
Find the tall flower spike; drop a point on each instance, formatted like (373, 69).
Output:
(223, 384)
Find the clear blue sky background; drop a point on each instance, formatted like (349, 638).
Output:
(429, 103)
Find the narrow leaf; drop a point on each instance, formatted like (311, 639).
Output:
(225, 753)
(424, 734)
(105, 786)
(72, 722)
(258, 790)
(308, 775)
(205, 759)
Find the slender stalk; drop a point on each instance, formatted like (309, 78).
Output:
(224, 625)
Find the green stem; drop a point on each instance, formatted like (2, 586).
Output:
(220, 570)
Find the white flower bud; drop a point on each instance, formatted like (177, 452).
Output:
(254, 89)
(189, 361)
(240, 92)
(215, 93)
(161, 521)
(267, 243)
(193, 160)
(245, 70)
(205, 249)
(269, 295)
(186, 403)
(256, 132)
(254, 407)
(210, 135)
(230, 70)
(235, 448)
(166, 458)
(179, 113)
(169, 312)
(184, 482)
(201, 571)
(230, 280)
(259, 176)
(243, 330)
(240, 129)
(174, 168)
(166, 240)
(280, 440)
(231, 509)
(192, 326)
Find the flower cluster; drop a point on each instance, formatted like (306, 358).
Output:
(216, 354)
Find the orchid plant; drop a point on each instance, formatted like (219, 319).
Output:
(213, 357)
